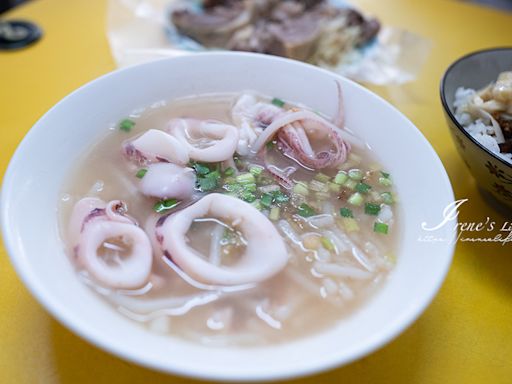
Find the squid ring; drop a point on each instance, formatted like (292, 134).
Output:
(265, 253)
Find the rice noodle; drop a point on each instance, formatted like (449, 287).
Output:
(266, 317)
(290, 233)
(302, 281)
(215, 246)
(178, 310)
(358, 254)
(341, 271)
(345, 291)
(320, 221)
(197, 284)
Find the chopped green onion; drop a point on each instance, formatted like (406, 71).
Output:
(341, 177)
(234, 188)
(229, 171)
(318, 186)
(246, 178)
(248, 196)
(385, 181)
(126, 125)
(355, 174)
(305, 210)
(350, 224)
(266, 200)
(249, 187)
(363, 187)
(356, 199)
(327, 243)
(281, 197)
(372, 209)
(278, 102)
(141, 173)
(380, 228)
(333, 187)
(387, 197)
(265, 180)
(256, 170)
(346, 212)
(322, 177)
(274, 214)
(201, 169)
(322, 195)
(301, 189)
(350, 184)
(165, 205)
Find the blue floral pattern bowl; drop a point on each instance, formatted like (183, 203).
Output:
(476, 70)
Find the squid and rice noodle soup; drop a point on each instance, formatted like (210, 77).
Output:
(231, 219)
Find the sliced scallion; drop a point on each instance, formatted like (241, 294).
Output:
(248, 196)
(350, 184)
(387, 197)
(341, 177)
(229, 171)
(280, 197)
(380, 228)
(126, 125)
(385, 182)
(141, 173)
(274, 214)
(333, 187)
(246, 178)
(318, 186)
(350, 224)
(301, 189)
(363, 187)
(346, 212)
(372, 209)
(266, 200)
(278, 102)
(322, 177)
(356, 199)
(305, 210)
(356, 174)
(256, 170)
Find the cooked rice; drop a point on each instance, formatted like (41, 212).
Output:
(482, 131)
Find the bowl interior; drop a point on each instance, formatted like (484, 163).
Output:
(32, 189)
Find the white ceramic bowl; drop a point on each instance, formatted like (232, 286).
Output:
(31, 191)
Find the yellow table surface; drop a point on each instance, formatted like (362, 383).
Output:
(464, 336)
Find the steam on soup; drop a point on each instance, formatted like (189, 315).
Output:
(231, 219)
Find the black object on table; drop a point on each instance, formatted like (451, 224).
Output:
(16, 34)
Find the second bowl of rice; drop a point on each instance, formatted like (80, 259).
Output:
(476, 93)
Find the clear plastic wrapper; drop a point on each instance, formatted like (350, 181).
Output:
(142, 30)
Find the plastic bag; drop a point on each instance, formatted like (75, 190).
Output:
(141, 30)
